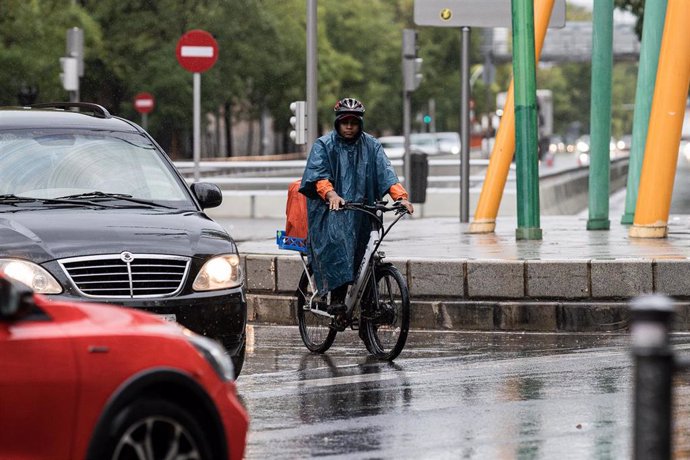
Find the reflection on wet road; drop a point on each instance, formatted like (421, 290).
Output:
(449, 395)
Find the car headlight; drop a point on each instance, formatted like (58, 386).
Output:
(221, 272)
(215, 354)
(30, 274)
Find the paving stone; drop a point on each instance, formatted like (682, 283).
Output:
(452, 315)
(672, 277)
(496, 278)
(521, 316)
(272, 309)
(289, 272)
(261, 272)
(558, 278)
(437, 277)
(593, 317)
(621, 278)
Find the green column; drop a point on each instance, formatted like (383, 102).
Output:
(526, 125)
(654, 15)
(600, 119)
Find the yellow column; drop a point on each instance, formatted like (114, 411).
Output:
(665, 125)
(504, 147)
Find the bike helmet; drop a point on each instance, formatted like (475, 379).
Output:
(348, 108)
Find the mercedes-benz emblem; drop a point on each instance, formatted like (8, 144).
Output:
(126, 257)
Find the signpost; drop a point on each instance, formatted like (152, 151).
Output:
(144, 104)
(197, 51)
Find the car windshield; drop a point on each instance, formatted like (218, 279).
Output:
(50, 164)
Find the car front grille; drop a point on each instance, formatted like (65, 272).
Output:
(127, 275)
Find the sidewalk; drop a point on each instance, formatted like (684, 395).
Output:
(563, 238)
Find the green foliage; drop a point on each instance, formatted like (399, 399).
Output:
(32, 39)
(636, 7)
(130, 47)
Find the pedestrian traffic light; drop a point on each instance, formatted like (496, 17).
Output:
(70, 73)
(298, 121)
(412, 65)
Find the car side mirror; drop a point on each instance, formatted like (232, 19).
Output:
(16, 299)
(208, 195)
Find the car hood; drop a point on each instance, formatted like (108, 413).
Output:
(44, 235)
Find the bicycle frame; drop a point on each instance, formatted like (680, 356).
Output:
(366, 268)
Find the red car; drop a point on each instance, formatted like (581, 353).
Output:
(89, 381)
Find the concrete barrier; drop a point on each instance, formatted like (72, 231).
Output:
(561, 193)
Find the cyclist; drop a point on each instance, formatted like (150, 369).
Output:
(346, 164)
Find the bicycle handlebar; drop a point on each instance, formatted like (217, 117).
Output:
(378, 206)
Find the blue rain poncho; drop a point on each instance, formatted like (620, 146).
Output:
(360, 171)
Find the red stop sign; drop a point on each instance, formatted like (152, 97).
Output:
(144, 102)
(197, 51)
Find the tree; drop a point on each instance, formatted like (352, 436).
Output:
(32, 39)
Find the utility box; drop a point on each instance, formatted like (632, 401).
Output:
(419, 172)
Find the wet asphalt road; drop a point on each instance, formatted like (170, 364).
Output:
(449, 395)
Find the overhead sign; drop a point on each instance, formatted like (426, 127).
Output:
(144, 102)
(475, 13)
(197, 51)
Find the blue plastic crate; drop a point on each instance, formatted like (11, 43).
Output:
(290, 243)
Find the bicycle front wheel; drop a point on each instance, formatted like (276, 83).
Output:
(314, 328)
(387, 320)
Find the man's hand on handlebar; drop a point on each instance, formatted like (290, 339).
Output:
(403, 202)
(335, 202)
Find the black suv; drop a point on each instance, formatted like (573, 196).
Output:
(92, 208)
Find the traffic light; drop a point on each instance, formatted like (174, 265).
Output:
(298, 121)
(70, 73)
(412, 65)
(427, 119)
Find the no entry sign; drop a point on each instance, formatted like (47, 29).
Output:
(197, 51)
(144, 102)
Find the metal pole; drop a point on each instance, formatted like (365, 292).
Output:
(654, 14)
(665, 126)
(312, 72)
(526, 157)
(600, 118)
(197, 124)
(145, 121)
(407, 167)
(432, 114)
(654, 364)
(465, 127)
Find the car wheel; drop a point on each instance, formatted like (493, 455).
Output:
(156, 429)
(238, 359)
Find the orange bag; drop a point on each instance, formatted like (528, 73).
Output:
(296, 211)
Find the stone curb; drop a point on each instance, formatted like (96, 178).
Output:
(485, 315)
(529, 295)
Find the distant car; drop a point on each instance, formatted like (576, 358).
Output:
(394, 146)
(448, 142)
(89, 381)
(557, 144)
(91, 208)
(624, 143)
(425, 143)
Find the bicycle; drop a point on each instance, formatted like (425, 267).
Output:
(377, 302)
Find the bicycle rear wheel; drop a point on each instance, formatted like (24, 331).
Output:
(314, 328)
(387, 320)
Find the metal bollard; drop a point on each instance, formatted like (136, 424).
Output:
(654, 364)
